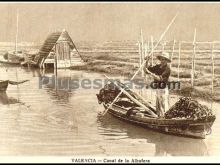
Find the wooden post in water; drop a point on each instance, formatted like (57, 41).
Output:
(16, 38)
(139, 52)
(142, 53)
(193, 60)
(213, 68)
(179, 61)
(213, 74)
(17, 85)
(55, 67)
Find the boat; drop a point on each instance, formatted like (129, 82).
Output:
(15, 56)
(167, 145)
(132, 108)
(4, 60)
(3, 85)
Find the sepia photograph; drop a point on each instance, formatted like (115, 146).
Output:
(109, 82)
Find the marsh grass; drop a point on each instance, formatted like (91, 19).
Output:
(126, 64)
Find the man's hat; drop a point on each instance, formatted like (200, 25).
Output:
(164, 55)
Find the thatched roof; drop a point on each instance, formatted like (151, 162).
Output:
(50, 42)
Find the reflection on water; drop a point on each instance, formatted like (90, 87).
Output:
(4, 99)
(164, 144)
(61, 96)
(58, 89)
(50, 121)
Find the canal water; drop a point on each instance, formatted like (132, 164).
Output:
(38, 120)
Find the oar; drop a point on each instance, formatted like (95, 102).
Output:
(163, 34)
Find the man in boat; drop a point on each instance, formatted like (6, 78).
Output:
(160, 73)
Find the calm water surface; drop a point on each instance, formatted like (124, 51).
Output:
(38, 122)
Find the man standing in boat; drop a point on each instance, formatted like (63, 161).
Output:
(160, 73)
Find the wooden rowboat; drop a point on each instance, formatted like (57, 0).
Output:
(3, 85)
(180, 127)
(122, 109)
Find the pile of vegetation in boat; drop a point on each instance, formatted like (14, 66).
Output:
(128, 100)
(187, 108)
(108, 93)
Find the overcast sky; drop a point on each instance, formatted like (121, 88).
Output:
(110, 21)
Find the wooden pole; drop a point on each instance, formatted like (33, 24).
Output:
(213, 74)
(16, 38)
(55, 67)
(152, 62)
(213, 69)
(142, 58)
(17, 84)
(179, 61)
(174, 42)
(152, 46)
(146, 49)
(148, 46)
(139, 52)
(69, 54)
(142, 53)
(194, 51)
(64, 54)
(193, 59)
(163, 46)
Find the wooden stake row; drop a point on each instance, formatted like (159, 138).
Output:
(144, 48)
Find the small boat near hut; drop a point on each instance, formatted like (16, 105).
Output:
(15, 56)
(4, 60)
(132, 108)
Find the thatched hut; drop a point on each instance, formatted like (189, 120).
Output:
(58, 51)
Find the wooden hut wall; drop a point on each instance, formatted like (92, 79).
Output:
(63, 51)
